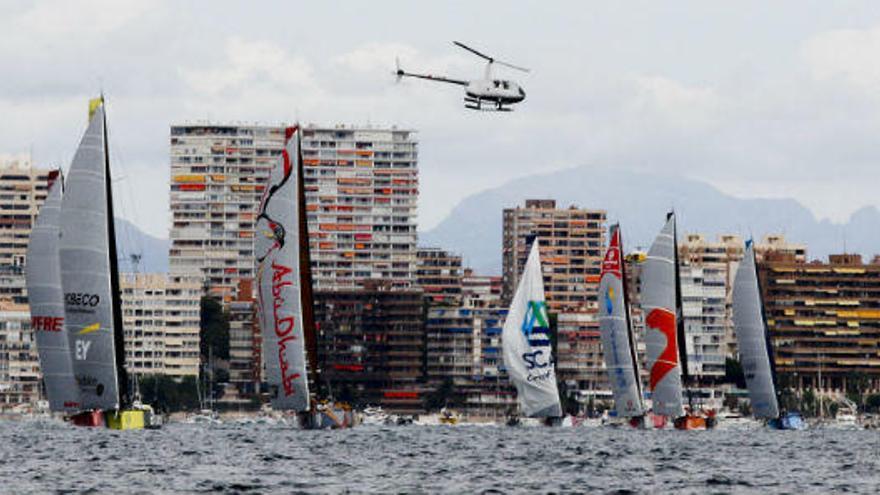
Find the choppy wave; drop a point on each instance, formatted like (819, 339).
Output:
(40, 457)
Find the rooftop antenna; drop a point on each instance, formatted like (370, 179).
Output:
(135, 262)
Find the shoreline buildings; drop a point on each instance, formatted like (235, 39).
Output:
(361, 185)
(824, 320)
(361, 192)
(572, 244)
(161, 322)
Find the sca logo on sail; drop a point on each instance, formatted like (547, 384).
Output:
(536, 329)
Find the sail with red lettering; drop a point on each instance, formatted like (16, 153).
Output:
(658, 301)
(88, 259)
(615, 328)
(525, 340)
(46, 299)
(280, 281)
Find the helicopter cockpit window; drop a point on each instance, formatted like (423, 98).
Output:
(497, 83)
(505, 84)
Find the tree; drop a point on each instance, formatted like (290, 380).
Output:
(809, 403)
(213, 329)
(441, 396)
(569, 404)
(872, 403)
(856, 385)
(169, 395)
(733, 373)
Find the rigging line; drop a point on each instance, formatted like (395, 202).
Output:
(132, 245)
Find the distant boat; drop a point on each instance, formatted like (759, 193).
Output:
(46, 299)
(526, 345)
(615, 328)
(284, 295)
(755, 349)
(665, 340)
(90, 279)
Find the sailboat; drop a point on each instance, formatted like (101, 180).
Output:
(525, 341)
(46, 299)
(90, 280)
(755, 349)
(665, 341)
(615, 328)
(284, 295)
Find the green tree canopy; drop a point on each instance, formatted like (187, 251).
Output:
(213, 329)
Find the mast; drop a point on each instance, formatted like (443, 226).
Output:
(629, 329)
(118, 332)
(679, 316)
(305, 266)
(679, 312)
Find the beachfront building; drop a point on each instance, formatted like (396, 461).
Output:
(371, 344)
(439, 274)
(19, 362)
(361, 190)
(572, 242)
(824, 320)
(23, 189)
(161, 322)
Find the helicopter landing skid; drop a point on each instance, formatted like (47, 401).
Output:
(475, 104)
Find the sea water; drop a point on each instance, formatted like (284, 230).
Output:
(52, 457)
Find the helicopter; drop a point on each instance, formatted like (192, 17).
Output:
(498, 94)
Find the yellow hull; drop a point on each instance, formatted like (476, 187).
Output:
(127, 419)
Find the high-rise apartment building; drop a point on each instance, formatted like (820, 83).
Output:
(361, 190)
(161, 322)
(371, 344)
(23, 189)
(439, 274)
(464, 346)
(245, 342)
(824, 320)
(707, 270)
(480, 291)
(218, 173)
(571, 243)
(580, 364)
(19, 362)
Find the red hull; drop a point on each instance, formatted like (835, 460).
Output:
(88, 418)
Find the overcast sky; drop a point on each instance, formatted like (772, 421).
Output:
(773, 99)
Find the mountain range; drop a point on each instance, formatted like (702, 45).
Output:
(639, 201)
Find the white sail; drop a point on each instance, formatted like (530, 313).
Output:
(752, 338)
(279, 290)
(615, 330)
(658, 305)
(46, 301)
(526, 343)
(85, 271)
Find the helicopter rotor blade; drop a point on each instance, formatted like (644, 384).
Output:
(523, 69)
(462, 45)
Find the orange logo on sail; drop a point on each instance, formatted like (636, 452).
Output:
(663, 321)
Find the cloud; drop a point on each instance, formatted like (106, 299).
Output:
(770, 114)
(252, 63)
(73, 20)
(848, 55)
